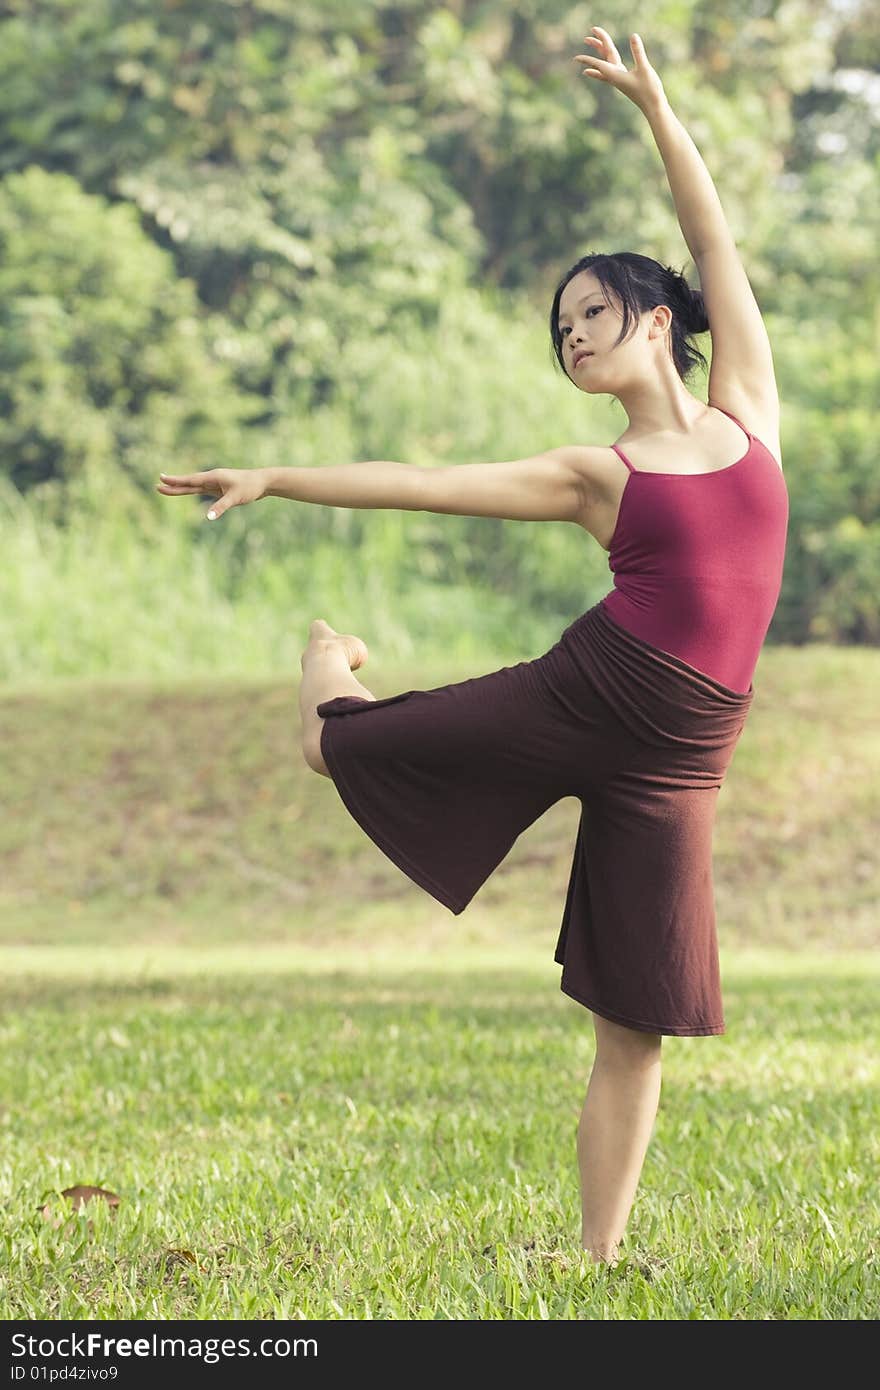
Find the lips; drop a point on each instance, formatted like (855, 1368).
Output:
(579, 357)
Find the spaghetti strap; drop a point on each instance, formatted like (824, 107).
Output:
(630, 466)
(734, 419)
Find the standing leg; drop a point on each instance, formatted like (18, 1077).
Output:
(614, 1130)
(328, 663)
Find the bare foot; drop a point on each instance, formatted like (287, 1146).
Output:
(602, 1254)
(322, 636)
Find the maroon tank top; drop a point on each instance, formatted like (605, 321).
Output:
(697, 561)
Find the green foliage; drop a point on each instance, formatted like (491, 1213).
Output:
(269, 233)
(205, 823)
(104, 357)
(262, 148)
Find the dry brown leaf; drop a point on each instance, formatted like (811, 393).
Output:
(184, 1257)
(79, 1195)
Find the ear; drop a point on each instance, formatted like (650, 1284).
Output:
(661, 318)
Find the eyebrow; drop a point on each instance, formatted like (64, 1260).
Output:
(581, 301)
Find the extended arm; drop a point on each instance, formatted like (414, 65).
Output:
(371, 484)
(553, 486)
(545, 487)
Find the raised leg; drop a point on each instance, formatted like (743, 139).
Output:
(615, 1127)
(328, 663)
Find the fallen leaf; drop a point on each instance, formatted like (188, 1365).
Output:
(78, 1196)
(184, 1257)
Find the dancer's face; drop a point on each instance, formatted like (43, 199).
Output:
(590, 322)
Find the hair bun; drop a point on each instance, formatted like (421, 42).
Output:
(693, 316)
(698, 319)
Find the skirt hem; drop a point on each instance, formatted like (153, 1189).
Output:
(669, 1030)
(397, 856)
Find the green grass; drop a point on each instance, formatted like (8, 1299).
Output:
(319, 1094)
(392, 1136)
(181, 811)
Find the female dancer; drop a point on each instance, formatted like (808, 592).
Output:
(638, 706)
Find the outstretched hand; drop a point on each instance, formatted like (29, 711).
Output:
(642, 85)
(234, 486)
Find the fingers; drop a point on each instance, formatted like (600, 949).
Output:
(612, 61)
(603, 41)
(188, 484)
(591, 58)
(587, 58)
(606, 38)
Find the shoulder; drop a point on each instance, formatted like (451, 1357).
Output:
(759, 412)
(594, 464)
(601, 474)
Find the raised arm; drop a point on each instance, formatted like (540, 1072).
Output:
(741, 374)
(700, 214)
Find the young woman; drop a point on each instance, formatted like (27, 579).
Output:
(638, 706)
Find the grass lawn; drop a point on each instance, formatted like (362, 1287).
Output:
(318, 1094)
(303, 1133)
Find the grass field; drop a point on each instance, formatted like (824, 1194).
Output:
(392, 1136)
(319, 1094)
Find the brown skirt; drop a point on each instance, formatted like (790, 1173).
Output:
(445, 780)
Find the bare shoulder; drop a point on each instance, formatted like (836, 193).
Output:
(599, 469)
(594, 466)
(758, 408)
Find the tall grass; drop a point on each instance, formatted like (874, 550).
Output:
(104, 575)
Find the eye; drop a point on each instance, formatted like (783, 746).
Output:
(593, 309)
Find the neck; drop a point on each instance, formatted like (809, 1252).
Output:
(663, 405)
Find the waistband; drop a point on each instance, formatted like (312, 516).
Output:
(660, 697)
(741, 696)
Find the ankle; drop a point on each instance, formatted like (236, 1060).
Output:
(601, 1251)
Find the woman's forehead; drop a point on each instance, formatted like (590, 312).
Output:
(580, 287)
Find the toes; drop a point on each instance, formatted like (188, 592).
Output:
(321, 632)
(355, 650)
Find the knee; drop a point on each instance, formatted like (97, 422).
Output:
(625, 1046)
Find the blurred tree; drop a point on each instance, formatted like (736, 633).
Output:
(104, 355)
(324, 178)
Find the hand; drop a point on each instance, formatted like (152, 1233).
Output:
(642, 86)
(234, 486)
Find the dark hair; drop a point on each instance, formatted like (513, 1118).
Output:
(640, 284)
